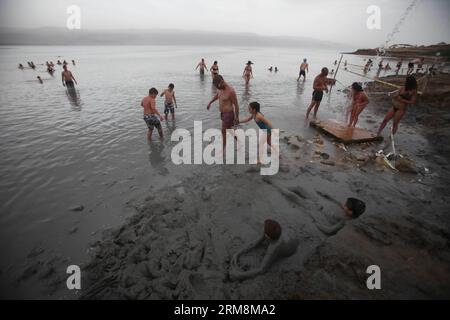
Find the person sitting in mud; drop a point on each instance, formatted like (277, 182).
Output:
(353, 208)
(279, 245)
(402, 98)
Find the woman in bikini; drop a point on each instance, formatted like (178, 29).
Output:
(214, 69)
(404, 96)
(248, 72)
(359, 102)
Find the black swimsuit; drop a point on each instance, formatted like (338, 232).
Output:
(406, 96)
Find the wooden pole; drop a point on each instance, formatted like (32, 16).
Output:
(335, 73)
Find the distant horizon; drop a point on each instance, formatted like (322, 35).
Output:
(160, 31)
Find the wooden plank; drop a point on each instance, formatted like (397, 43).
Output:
(342, 133)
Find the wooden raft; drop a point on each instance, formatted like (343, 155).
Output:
(344, 134)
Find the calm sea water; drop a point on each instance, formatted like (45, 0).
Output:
(90, 149)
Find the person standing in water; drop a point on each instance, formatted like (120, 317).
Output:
(303, 69)
(68, 79)
(403, 97)
(320, 85)
(228, 105)
(254, 109)
(248, 72)
(278, 245)
(202, 66)
(359, 102)
(151, 114)
(214, 69)
(169, 100)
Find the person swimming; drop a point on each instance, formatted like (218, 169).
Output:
(278, 245)
(21, 66)
(40, 80)
(270, 69)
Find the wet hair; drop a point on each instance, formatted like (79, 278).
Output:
(356, 86)
(324, 70)
(255, 106)
(272, 229)
(217, 79)
(356, 206)
(304, 60)
(153, 91)
(410, 83)
(215, 62)
(171, 85)
(64, 66)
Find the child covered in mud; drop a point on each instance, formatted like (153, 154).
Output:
(353, 208)
(279, 245)
(169, 96)
(151, 114)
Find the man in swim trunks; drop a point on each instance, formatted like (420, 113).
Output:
(68, 79)
(202, 66)
(319, 86)
(169, 96)
(303, 69)
(228, 105)
(151, 114)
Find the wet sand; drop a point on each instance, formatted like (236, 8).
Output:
(179, 246)
(180, 239)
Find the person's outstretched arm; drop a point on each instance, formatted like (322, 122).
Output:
(246, 119)
(245, 249)
(236, 106)
(212, 101)
(175, 100)
(73, 78)
(331, 230)
(269, 258)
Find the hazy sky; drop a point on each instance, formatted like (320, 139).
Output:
(336, 20)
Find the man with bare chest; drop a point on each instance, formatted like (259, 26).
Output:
(228, 105)
(67, 78)
(320, 85)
